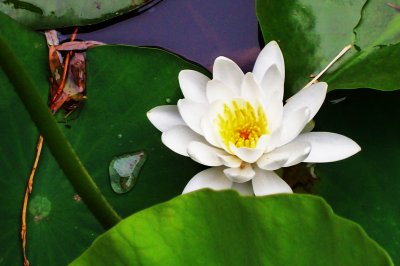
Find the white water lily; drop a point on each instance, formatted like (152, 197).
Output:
(237, 124)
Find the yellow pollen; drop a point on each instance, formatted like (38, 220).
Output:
(242, 125)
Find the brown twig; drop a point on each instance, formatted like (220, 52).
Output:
(39, 146)
(28, 191)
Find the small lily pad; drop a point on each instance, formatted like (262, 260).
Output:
(43, 14)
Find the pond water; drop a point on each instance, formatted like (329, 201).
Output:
(198, 30)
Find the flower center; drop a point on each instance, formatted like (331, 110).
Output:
(242, 124)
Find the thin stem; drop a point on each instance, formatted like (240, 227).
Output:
(55, 139)
(340, 54)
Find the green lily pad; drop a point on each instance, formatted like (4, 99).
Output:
(365, 187)
(311, 33)
(42, 14)
(123, 84)
(223, 228)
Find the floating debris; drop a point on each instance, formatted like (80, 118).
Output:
(77, 198)
(124, 171)
(337, 100)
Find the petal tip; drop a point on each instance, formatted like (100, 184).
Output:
(357, 148)
(329, 147)
(220, 59)
(273, 42)
(182, 72)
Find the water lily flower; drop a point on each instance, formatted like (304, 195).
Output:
(237, 124)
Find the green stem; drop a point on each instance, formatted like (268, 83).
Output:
(55, 139)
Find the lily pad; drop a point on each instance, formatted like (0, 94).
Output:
(123, 84)
(223, 228)
(42, 14)
(365, 187)
(311, 33)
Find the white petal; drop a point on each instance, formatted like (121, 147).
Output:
(165, 117)
(217, 90)
(244, 189)
(268, 162)
(212, 178)
(292, 124)
(263, 142)
(209, 133)
(284, 156)
(270, 55)
(192, 112)
(298, 154)
(273, 141)
(248, 155)
(273, 107)
(267, 183)
(240, 174)
(273, 83)
(271, 164)
(250, 90)
(209, 123)
(328, 147)
(311, 97)
(230, 160)
(228, 72)
(178, 139)
(205, 154)
(193, 85)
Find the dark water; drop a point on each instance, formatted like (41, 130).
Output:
(199, 30)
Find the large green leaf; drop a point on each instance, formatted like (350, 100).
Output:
(123, 84)
(223, 228)
(311, 33)
(43, 14)
(365, 188)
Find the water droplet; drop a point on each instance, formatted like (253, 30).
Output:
(39, 208)
(168, 100)
(119, 136)
(124, 171)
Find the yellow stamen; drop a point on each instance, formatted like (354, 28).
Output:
(242, 125)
